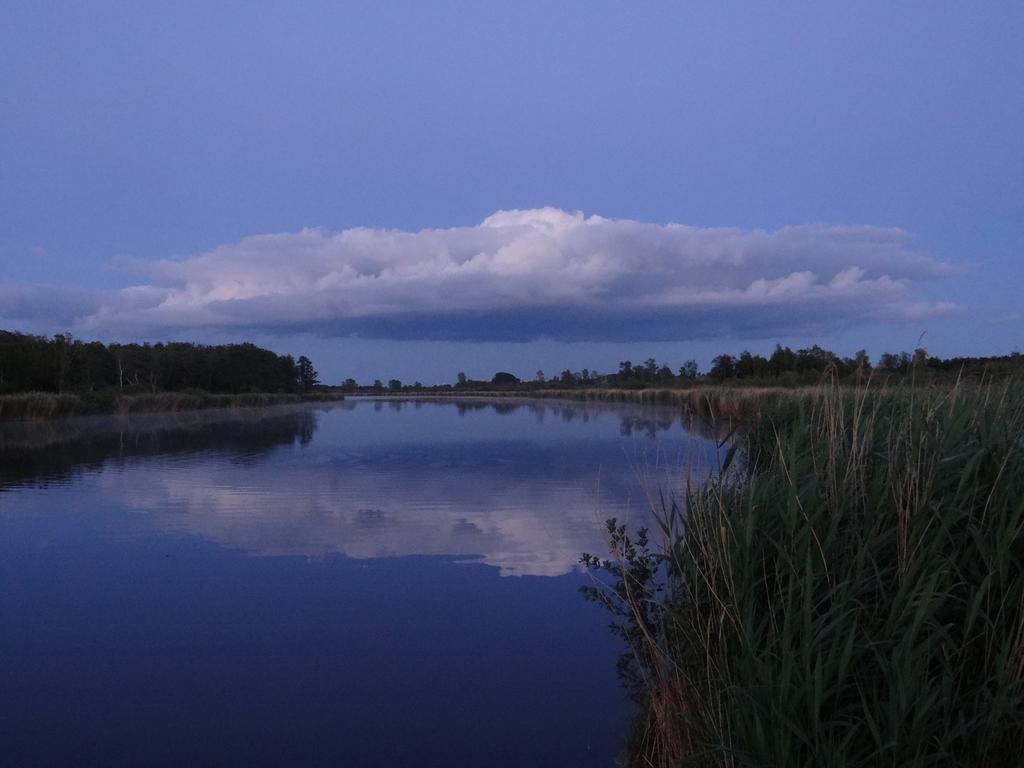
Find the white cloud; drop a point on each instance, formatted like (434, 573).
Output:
(518, 274)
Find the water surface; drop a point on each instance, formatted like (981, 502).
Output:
(368, 583)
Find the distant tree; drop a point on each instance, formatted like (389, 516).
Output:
(689, 371)
(751, 366)
(307, 375)
(62, 363)
(665, 375)
(815, 359)
(540, 377)
(462, 379)
(395, 385)
(503, 378)
(745, 365)
(63, 343)
(417, 385)
(894, 363)
(650, 370)
(861, 361)
(567, 379)
(350, 385)
(920, 357)
(378, 384)
(783, 360)
(626, 369)
(722, 367)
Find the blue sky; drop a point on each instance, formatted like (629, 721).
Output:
(327, 178)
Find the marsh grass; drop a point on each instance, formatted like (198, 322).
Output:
(849, 591)
(42, 406)
(716, 402)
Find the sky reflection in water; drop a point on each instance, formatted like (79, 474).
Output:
(175, 590)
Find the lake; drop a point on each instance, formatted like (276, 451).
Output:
(368, 583)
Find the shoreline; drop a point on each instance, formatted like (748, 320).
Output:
(48, 406)
(714, 402)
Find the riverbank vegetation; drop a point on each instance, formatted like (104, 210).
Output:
(40, 406)
(43, 378)
(784, 368)
(849, 591)
(716, 403)
(62, 364)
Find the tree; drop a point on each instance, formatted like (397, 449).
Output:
(504, 379)
(395, 385)
(861, 361)
(722, 367)
(64, 363)
(783, 360)
(540, 377)
(63, 342)
(307, 375)
(350, 385)
(751, 366)
(378, 384)
(689, 371)
(815, 359)
(462, 379)
(650, 370)
(897, 363)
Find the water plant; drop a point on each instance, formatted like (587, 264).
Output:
(850, 592)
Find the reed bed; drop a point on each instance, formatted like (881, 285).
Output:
(848, 592)
(720, 403)
(716, 402)
(42, 406)
(38, 406)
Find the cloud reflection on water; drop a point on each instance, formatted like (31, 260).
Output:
(524, 487)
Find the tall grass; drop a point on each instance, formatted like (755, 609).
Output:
(722, 403)
(716, 402)
(38, 406)
(852, 596)
(41, 406)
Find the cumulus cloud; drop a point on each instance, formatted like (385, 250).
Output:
(518, 275)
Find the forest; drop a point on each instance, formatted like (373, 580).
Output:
(62, 364)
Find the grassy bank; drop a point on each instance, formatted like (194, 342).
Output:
(852, 596)
(720, 403)
(715, 402)
(40, 406)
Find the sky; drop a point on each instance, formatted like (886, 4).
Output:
(415, 189)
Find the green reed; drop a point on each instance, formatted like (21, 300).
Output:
(849, 591)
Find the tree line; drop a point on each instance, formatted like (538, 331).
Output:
(64, 364)
(786, 366)
(783, 367)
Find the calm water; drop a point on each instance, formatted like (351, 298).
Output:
(371, 583)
